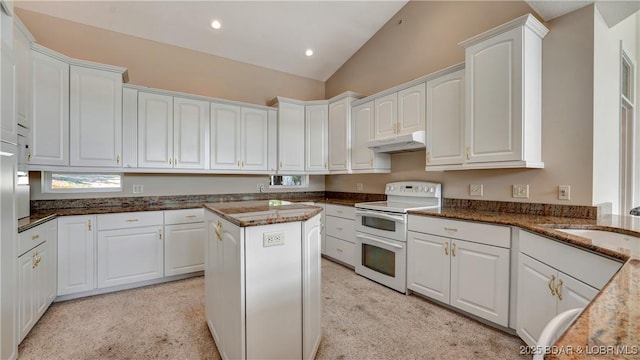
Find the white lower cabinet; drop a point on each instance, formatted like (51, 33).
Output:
(552, 278)
(76, 246)
(184, 237)
(130, 248)
(340, 233)
(36, 275)
(471, 274)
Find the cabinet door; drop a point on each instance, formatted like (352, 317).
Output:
(480, 280)
(494, 98)
(184, 248)
(290, 137)
(572, 293)
(536, 305)
(76, 236)
(26, 293)
(95, 117)
(386, 116)
(8, 123)
(42, 278)
(254, 131)
(233, 287)
(339, 135)
(428, 270)
(49, 111)
(225, 137)
(129, 255)
(411, 115)
(445, 119)
(316, 142)
(190, 127)
(155, 130)
(361, 155)
(22, 55)
(52, 264)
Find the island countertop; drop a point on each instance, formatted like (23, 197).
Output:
(263, 212)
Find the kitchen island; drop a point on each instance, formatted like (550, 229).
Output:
(262, 279)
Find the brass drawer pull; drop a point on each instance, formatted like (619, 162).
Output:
(35, 237)
(551, 280)
(191, 216)
(218, 230)
(558, 287)
(453, 249)
(132, 220)
(450, 229)
(446, 248)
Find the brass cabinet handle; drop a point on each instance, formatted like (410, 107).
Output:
(218, 230)
(551, 280)
(321, 227)
(35, 237)
(428, 157)
(89, 223)
(169, 161)
(132, 220)
(280, 164)
(325, 165)
(160, 234)
(468, 153)
(446, 248)
(238, 163)
(190, 216)
(450, 229)
(453, 249)
(558, 287)
(339, 228)
(29, 156)
(118, 159)
(175, 161)
(242, 163)
(339, 250)
(36, 260)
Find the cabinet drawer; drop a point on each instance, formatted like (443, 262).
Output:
(130, 220)
(587, 267)
(340, 228)
(347, 212)
(463, 230)
(341, 250)
(31, 238)
(185, 216)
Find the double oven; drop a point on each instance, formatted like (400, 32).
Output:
(381, 231)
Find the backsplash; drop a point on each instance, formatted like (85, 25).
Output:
(574, 211)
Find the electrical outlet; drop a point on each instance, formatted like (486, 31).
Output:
(272, 239)
(359, 187)
(476, 189)
(138, 189)
(564, 192)
(520, 191)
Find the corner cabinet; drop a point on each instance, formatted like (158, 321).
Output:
(95, 116)
(503, 95)
(363, 159)
(291, 136)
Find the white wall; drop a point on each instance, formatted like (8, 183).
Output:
(177, 184)
(606, 104)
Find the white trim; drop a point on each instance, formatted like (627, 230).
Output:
(527, 20)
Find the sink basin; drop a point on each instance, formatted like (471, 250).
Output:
(626, 244)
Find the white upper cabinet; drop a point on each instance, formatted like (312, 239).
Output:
(386, 116)
(22, 55)
(445, 120)
(400, 113)
(363, 159)
(239, 138)
(190, 125)
(340, 135)
(290, 136)
(95, 116)
(254, 139)
(503, 95)
(155, 130)
(411, 112)
(49, 109)
(316, 142)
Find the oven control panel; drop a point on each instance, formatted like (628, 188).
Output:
(414, 189)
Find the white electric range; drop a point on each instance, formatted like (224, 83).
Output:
(381, 231)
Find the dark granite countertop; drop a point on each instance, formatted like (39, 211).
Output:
(612, 320)
(263, 212)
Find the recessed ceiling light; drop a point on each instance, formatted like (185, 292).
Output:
(216, 24)
(309, 52)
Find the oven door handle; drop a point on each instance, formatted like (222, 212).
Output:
(395, 218)
(378, 241)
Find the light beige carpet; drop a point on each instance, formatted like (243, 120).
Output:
(361, 320)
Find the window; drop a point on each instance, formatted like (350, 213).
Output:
(280, 181)
(81, 182)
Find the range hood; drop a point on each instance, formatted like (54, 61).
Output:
(400, 143)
